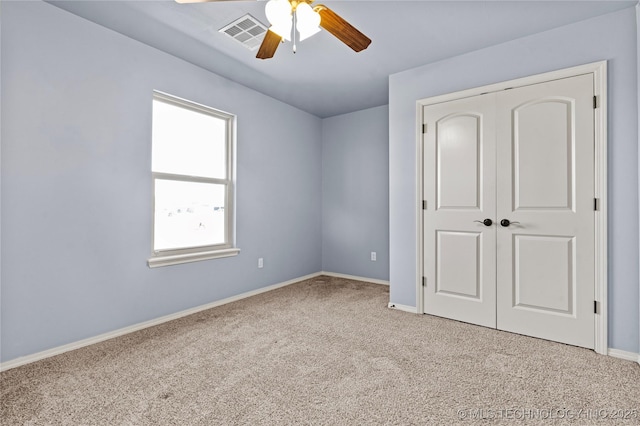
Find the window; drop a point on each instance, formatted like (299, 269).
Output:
(193, 189)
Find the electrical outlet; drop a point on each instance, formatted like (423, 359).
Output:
(260, 262)
(373, 256)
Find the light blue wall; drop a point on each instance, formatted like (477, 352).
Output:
(611, 37)
(355, 193)
(76, 201)
(1, 20)
(638, 79)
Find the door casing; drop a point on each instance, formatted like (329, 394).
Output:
(599, 71)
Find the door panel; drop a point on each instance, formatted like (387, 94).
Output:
(451, 279)
(547, 147)
(459, 189)
(549, 289)
(457, 148)
(545, 181)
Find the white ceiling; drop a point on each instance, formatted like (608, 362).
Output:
(325, 77)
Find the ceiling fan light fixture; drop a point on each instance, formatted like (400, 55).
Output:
(279, 15)
(283, 30)
(308, 21)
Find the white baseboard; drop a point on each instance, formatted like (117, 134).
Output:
(27, 359)
(629, 356)
(354, 277)
(404, 308)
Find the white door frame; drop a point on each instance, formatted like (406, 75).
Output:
(599, 71)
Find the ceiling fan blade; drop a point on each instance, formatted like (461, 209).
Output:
(269, 45)
(340, 28)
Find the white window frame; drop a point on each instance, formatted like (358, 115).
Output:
(197, 253)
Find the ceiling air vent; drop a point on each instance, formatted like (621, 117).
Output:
(247, 31)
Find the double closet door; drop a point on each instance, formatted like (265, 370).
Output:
(508, 219)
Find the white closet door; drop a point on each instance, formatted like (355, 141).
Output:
(545, 188)
(459, 190)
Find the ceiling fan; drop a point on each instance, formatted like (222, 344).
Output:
(287, 16)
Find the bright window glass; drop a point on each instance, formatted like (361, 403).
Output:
(188, 214)
(188, 142)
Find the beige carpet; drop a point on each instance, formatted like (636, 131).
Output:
(323, 351)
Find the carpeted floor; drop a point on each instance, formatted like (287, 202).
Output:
(323, 351)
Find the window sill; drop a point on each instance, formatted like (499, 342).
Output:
(176, 259)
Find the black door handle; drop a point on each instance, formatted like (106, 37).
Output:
(506, 222)
(486, 222)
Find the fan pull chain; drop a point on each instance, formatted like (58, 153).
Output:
(295, 22)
